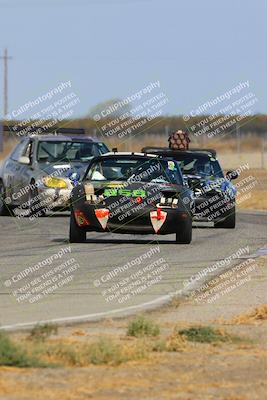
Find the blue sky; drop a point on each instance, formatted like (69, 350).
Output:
(113, 48)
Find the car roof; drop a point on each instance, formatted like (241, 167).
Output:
(134, 155)
(117, 154)
(166, 151)
(62, 138)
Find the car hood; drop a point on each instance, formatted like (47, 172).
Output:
(148, 190)
(207, 184)
(64, 170)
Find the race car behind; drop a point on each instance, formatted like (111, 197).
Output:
(37, 176)
(214, 193)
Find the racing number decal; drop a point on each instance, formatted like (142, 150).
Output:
(125, 192)
(110, 192)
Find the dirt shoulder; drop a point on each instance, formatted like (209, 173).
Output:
(183, 369)
(251, 189)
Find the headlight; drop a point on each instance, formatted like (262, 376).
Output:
(52, 182)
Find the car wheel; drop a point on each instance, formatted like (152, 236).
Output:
(76, 234)
(185, 236)
(4, 211)
(228, 223)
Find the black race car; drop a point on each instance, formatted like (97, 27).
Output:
(132, 193)
(214, 193)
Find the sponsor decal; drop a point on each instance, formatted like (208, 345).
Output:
(102, 214)
(171, 165)
(157, 219)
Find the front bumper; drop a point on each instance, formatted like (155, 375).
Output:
(54, 198)
(169, 220)
(211, 208)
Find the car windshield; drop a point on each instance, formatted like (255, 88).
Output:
(135, 170)
(67, 151)
(194, 164)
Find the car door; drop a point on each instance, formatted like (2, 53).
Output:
(26, 172)
(10, 170)
(15, 168)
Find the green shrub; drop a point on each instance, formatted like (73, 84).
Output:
(13, 355)
(142, 326)
(105, 351)
(204, 334)
(42, 332)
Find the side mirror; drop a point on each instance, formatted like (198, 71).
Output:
(231, 175)
(24, 160)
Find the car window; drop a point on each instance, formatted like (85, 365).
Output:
(67, 151)
(19, 150)
(199, 165)
(135, 170)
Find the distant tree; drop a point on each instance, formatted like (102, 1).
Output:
(110, 109)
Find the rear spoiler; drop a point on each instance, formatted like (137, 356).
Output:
(156, 150)
(41, 129)
(211, 151)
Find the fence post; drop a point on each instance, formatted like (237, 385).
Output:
(166, 130)
(1, 136)
(263, 150)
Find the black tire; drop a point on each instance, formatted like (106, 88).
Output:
(4, 210)
(76, 234)
(185, 235)
(228, 223)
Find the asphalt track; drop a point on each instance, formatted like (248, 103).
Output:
(79, 289)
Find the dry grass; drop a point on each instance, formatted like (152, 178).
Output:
(70, 352)
(256, 201)
(254, 198)
(258, 314)
(39, 349)
(222, 145)
(8, 146)
(184, 361)
(166, 368)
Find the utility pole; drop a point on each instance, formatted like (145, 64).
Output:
(238, 139)
(5, 58)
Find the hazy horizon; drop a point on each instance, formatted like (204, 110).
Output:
(111, 49)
